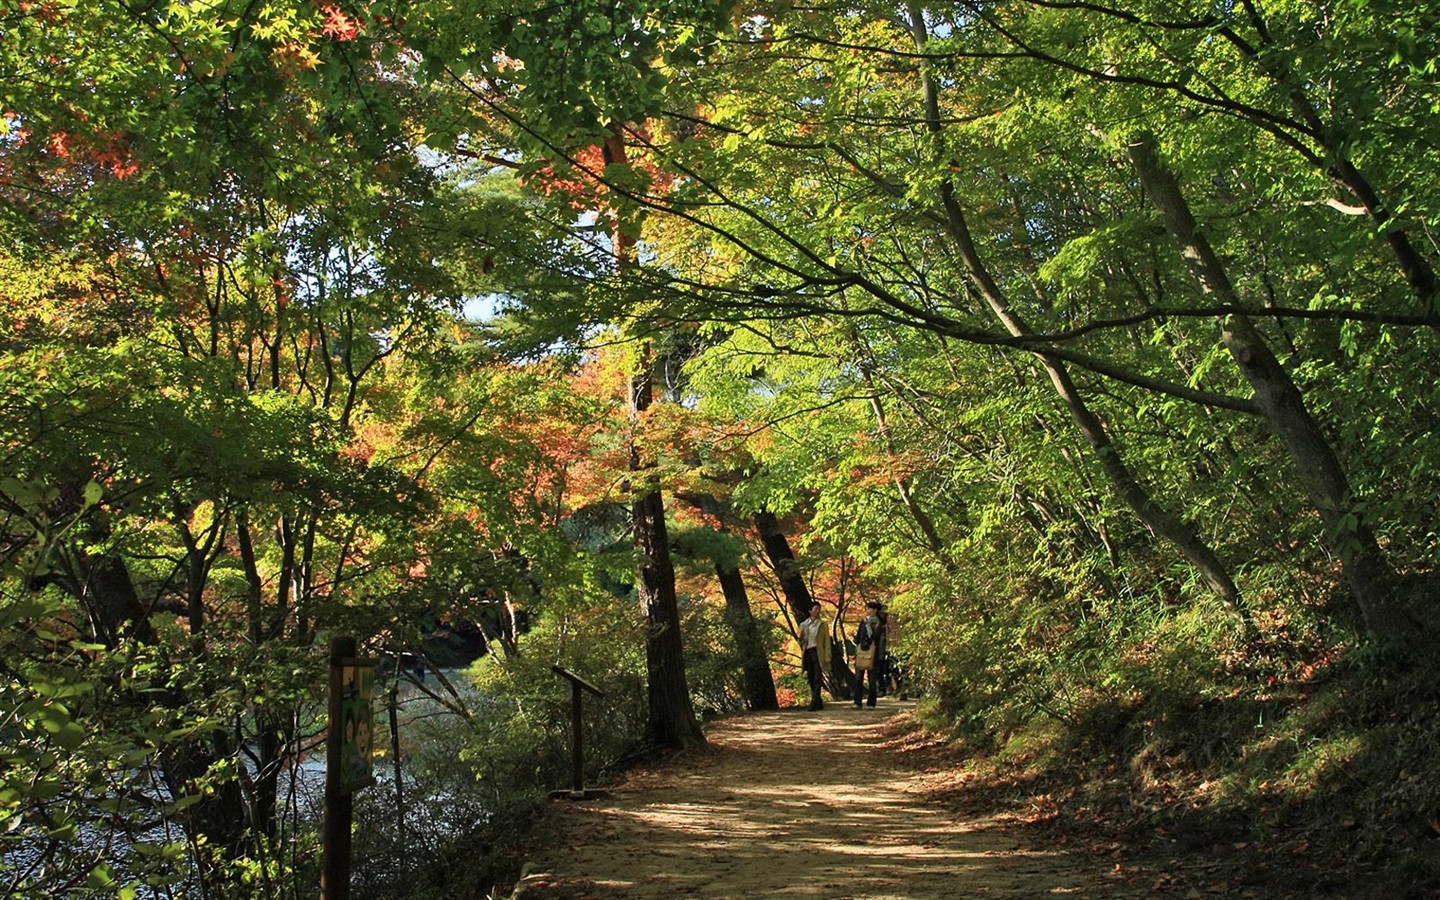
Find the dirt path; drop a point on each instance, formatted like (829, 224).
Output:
(791, 804)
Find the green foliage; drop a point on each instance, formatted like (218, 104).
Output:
(473, 783)
(712, 660)
(241, 410)
(602, 646)
(562, 75)
(76, 776)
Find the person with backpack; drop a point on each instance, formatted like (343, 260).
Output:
(869, 651)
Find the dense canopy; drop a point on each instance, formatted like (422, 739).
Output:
(1097, 340)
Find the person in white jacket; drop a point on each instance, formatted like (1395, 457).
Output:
(814, 653)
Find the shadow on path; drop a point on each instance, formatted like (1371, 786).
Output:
(790, 804)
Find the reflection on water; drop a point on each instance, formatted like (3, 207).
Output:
(127, 826)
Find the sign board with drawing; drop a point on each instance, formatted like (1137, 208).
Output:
(357, 687)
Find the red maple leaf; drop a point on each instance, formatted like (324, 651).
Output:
(338, 24)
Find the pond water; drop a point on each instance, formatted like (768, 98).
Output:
(130, 844)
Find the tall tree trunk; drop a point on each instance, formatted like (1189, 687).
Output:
(1169, 526)
(270, 743)
(672, 721)
(797, 595)
(1318, 468)
(754, 665)
(759, 681)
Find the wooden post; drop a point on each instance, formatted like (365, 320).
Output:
(395, 744)
(339, 805)
(577, 743)
(347, 761)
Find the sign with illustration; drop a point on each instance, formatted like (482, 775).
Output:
(357, 687)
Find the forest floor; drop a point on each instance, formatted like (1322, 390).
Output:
(841, 803)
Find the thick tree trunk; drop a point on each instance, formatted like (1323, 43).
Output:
(782, 560)
(102, 585)
(903, 488)
(797, 595)
(759, 681)
(672, 721)
(270, 744)
(1318, 468)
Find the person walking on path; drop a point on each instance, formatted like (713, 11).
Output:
(814, 653)
(869, 640)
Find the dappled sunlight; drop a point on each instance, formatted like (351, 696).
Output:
(789, 804)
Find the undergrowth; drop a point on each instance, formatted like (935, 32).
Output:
(474, 784)
(1303, 768)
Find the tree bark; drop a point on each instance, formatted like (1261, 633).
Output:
(1317, 466)
(672, 721)
(754, 666)
(797, 595)
(1170, 527)
(759, 681)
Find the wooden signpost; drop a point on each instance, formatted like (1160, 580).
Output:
(347, 760)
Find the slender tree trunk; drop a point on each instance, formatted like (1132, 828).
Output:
(921, 516)
(254, 585)
(672, 721)
(509, 631)
(393, 710)
(759, 681)
(1170, 527)
(1317, 466)
(797, 595)
(1334, 156)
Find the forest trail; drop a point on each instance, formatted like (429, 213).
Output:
(825, 804)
